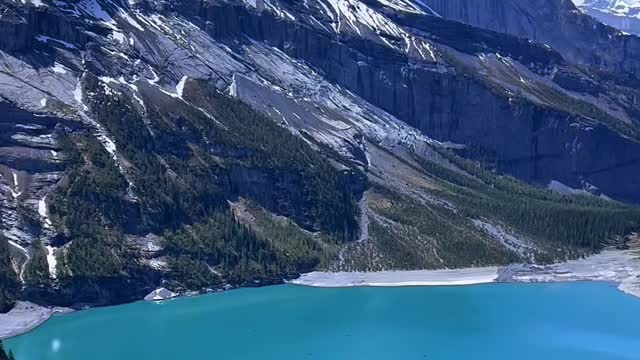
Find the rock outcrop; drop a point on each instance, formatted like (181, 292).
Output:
(160, 294)
(131, 129)
(524, 139)
(557, 23)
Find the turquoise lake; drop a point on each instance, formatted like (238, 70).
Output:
(567, 321)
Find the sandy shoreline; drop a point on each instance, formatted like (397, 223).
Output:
(468, 276)
(621, 267)
(24, 317)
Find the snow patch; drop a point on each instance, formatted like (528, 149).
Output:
(180, 86)
(42, 210)
(59, 68)
(130, 20)
(51, 260)
(77, 95)
(15, 194)
(46, 39)
(36, 3)
(118, 37)
(155, 79)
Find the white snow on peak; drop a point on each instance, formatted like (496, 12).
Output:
(402, 5)
(623, 8)
(359, 17)
(366, 21)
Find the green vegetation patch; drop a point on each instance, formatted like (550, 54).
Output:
(580, 221)
(36, 271)
(417, 235)
(8, 278)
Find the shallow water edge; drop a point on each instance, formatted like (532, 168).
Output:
(615, 266)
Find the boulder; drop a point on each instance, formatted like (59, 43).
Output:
(160, 294)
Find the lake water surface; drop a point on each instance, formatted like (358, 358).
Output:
(581, 321)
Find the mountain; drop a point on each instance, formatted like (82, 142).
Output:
(621, 14)
(578, 37)
(204, 144)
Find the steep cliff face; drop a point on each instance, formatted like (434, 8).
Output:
(538, 142)
(31, 164)
(195, 144)
(620, 14)
(577, 36)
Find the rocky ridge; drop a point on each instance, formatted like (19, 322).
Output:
(99, 98)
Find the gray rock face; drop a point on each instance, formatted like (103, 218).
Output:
(30, 165)
(532, 142)
(351, 78)
(160, 294)
(554, 22)
(621, 14)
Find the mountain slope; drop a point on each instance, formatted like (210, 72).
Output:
(578, 37)
(621, 14)
(195, 145)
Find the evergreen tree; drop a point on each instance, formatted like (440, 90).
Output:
(36, 271)
(8, 278)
